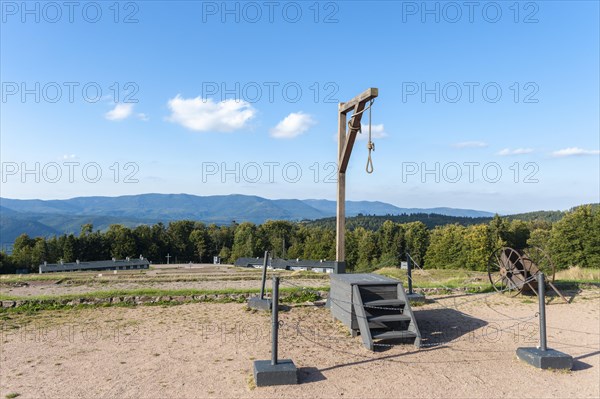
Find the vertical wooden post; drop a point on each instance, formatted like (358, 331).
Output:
(345, 144)
(341, 193)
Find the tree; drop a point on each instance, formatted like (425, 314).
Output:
(351, 244)
(245, 242)
(445, 249)
(91, 245)
(367, 249)
(277, 236)
(476, 247)
(575, 239)
(540, 238)
(297, 247)
(391, 242)
(6, 264)
(199, 239)
(518, 234)
(122, 241)
(319, 244)
(179, 239)
(22, 254)
(225, 254)
(39, 253)
(499, 235)
(417, 241)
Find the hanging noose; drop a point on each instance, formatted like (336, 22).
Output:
(370, 144)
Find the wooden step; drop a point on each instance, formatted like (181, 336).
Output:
(385, 303)
(388, 318)
(393, 334)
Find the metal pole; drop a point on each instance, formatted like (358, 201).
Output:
(542, 299)
(264, 276)
(275, 320)
(409, 272)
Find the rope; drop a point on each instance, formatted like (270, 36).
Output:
(370, 144)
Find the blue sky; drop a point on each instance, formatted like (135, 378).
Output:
(177, 93)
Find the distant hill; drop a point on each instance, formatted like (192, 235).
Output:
(354, 208)
(371, 222)
(547, 216)
(48, 217)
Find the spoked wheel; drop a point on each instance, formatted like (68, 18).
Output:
(536, 259)
(506, 272)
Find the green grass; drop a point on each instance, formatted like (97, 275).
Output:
(81, 278)
(478, 282)
(578, 275)
(148, 292)
(12, 395)
(472, 281)
(57, 302)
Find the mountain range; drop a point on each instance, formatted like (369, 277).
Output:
(49, 217)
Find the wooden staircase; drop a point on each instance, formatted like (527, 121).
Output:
(383, 313)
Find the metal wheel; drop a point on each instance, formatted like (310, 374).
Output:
(506, 272)
(537, 259)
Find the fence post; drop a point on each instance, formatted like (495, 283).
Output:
(275, 321)
(409, 273)
(264, 275)
(275, 371)
(542, 357)
(542, 301)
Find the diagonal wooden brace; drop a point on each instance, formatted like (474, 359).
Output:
(357, 105)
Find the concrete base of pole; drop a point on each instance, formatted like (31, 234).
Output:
(339, 267)
(259, 304)
(414, 297)
(548, 359)
(283, 373)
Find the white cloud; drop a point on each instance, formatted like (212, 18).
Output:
(516, 151)
(204, 115)
(143, 117)
(377, 132)
(119, 112)
(470, 144)
(68, 156)
(293, 125)
(574, 151)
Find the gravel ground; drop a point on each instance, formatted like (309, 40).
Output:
(206, 350)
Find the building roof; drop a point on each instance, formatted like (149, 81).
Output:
(101, 264)
(285, 263)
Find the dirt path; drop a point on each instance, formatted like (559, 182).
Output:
(206, 350)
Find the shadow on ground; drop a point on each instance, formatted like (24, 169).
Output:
(310, 374)
(439, 326)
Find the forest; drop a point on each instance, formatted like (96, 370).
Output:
(371, 242)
